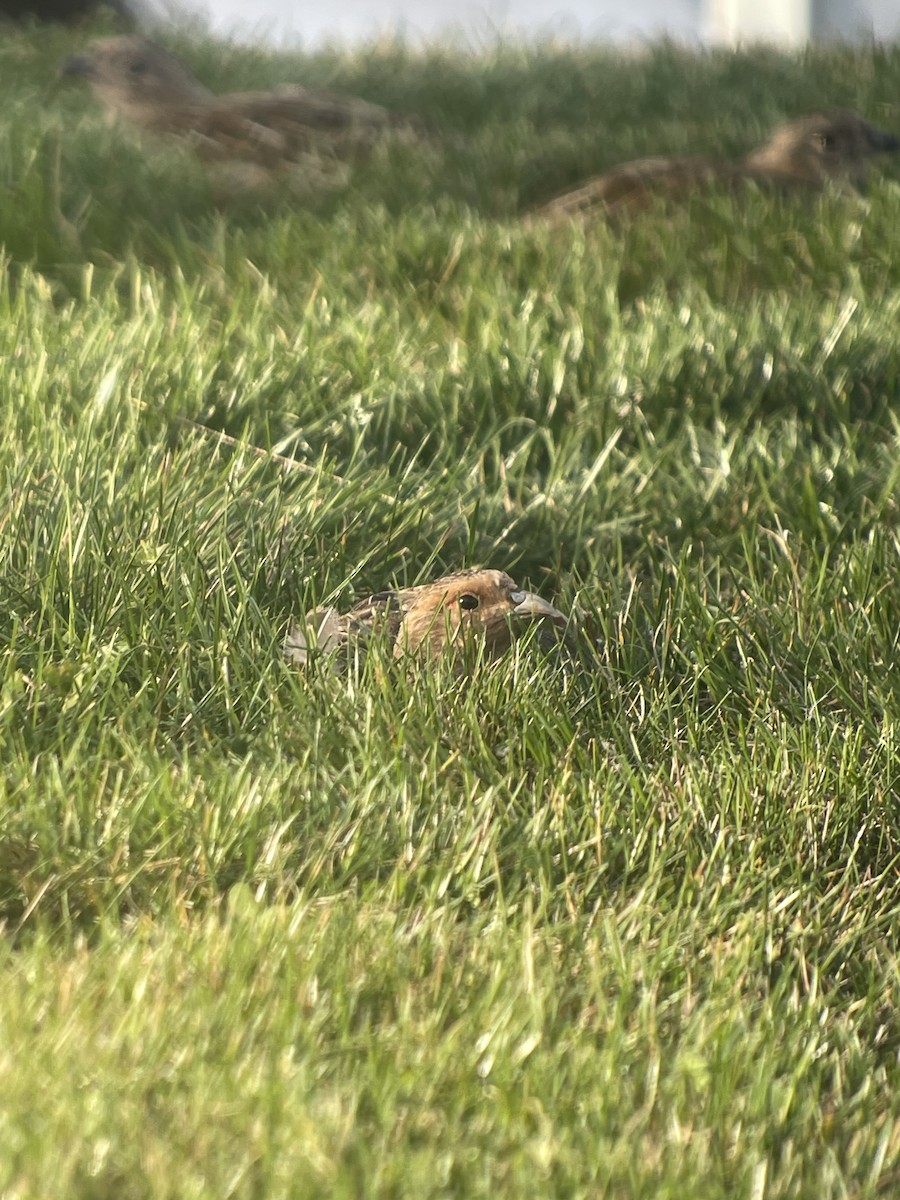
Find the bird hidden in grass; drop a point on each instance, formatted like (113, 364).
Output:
(805, 154)
(248, 139)
(481, 611)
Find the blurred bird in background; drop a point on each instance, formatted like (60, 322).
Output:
(805, 154)
(265, 132)
(468, 609)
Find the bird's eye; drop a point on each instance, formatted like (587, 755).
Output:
(467, 600)
(138, 67)
(827, 141)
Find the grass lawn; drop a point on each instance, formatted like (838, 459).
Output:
(627, 933)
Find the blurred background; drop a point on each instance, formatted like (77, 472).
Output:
(782, 21)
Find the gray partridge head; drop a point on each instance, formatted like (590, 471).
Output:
(825, 146)
(466, 609)
(134, 77)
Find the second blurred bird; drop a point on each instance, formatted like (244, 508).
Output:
(257, 135)
(805, 154)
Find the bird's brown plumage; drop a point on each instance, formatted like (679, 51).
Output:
(465, 609)
(142, 83)
(806, 153)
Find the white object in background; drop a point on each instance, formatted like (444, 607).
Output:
(793, 22)
(783, 22)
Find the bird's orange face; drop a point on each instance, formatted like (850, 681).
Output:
(467, 608)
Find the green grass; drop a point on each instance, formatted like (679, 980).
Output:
(624, 932)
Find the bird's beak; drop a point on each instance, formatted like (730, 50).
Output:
(532, 607)
(884, 142)
(77, 64)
